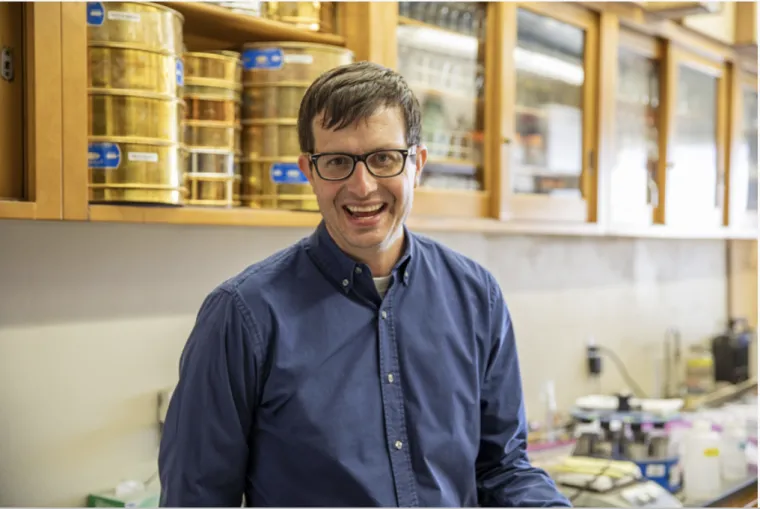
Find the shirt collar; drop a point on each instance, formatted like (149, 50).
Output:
(341, 268)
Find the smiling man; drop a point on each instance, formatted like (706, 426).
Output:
(365, 365)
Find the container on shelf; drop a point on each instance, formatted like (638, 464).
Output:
(124, 69)
(136, 77)
(124, 170)
(135, 115)
(211, 176)
(312, 16)
(212, 128)
(137, 25)
(275, 78)
(222, 69)
(280, 62)
(270, 183)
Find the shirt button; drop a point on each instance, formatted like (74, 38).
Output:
(406, 276)
(390, 377)
(398, 445)
(345, 282)
(384, 315)
(358, 270)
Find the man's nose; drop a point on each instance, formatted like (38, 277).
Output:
(362, 182)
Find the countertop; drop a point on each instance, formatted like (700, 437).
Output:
(734, 494)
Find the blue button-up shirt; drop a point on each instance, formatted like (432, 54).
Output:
(301, 386)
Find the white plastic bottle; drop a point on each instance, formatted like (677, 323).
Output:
(733, 458)
(701, 462)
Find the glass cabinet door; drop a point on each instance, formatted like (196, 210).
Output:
(633, 186)
(550, 149)
(441, 55)
(694, 182)
(749, 142)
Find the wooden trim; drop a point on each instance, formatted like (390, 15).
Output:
(503, 96)
(698, 62)
(734, 128)
(371, 40)
(216, 23)
(17, 209)
(575, 15)
(745, 30)
(75, 118)
(645, 45)
(610, 39)
(495, 136)
(43, 58)
(634, 17)
(453, 203)
(667, 110)
(591, 86)
(722, 123)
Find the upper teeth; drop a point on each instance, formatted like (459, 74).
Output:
(366, 208)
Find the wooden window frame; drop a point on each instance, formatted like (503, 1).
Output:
(41, 66)
(531, 207)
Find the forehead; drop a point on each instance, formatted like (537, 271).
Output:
(383, 129)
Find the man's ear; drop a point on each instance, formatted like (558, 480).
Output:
(304, 164)
(421, 159)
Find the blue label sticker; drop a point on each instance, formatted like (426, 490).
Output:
(180, 71)
(103, 156)
(96, 13)
(265, 58)
(287, 173)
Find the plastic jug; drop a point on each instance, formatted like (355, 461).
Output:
(701, 462)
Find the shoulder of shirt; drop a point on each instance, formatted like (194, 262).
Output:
(258, 276)
(461, 265)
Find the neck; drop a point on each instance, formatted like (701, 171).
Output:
(380, 259)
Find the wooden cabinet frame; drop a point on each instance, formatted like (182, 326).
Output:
(56, 104)
(614, 38)
(676, 56)
(40, 67)
(536, 207)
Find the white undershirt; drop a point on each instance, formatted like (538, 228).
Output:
(381, 283)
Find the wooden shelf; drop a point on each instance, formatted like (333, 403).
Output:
(17, 209)
(211, 23)
(458, 222)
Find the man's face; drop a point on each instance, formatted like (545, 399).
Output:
(365, 212)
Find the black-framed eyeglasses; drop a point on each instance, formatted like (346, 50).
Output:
(384, 163)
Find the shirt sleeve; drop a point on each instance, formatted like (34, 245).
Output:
(204, 448)
(504, 475)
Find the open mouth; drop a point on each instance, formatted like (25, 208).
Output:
(365, 212)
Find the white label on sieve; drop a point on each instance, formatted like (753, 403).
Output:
(124, 16)
(147, 157)
(299, 59)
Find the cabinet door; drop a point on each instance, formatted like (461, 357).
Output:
(555, 69)
(694, 178)
(743, 158)
(30, 110)
(633, 188)
(441, 54)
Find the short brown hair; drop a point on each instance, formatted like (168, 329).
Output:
(353, 92)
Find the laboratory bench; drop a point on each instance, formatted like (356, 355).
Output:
(742, 493)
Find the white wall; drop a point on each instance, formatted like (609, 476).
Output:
(93, 318)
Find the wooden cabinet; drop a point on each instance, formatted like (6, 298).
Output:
(31, 113)
(549, 111)
(693, 179)
(634, 192)
(441, 52)
(570, 118)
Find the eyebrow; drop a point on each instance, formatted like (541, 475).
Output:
(367, 152)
